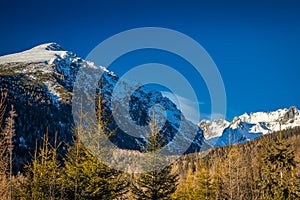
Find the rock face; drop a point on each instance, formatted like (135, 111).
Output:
(39, 83)
(249, 126)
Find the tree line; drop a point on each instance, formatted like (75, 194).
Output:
(79, 174)
(266, 168)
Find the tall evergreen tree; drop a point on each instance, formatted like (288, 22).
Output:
(43, 174)
(85, 177)
(278, 179)
(159, 183)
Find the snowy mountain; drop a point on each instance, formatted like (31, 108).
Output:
(213, 128)
(39, 83)
(248, 127)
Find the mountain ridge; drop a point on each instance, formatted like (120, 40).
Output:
(249, 126)
(39, 83)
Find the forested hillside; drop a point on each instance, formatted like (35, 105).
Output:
(265, 168)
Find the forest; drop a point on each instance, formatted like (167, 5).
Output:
(264, 168)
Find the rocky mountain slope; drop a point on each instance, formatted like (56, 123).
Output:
(39, 83)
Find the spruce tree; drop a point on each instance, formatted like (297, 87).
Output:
(159, 183)
(43, 173)
(278, 177)
(85, 177)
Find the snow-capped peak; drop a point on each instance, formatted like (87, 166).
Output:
(44, 53)
(52, 46)
(244, 117)
(46, 64)
(55, 72)
(247, 127)
(288, 118)
(214, 128)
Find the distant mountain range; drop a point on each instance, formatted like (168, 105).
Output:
(249, 126)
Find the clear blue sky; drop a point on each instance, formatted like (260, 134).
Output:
(255, 44)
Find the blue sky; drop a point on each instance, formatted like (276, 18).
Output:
(255, 44)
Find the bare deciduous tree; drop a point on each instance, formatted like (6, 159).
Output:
(6, 149)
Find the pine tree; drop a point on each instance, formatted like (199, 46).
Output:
(278, 179)
(159, 183)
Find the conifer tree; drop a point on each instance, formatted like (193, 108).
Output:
(231, 173)
(218, 184)
(278, 177)
(185, 189)
(197, 183)
(85, 177)
(159, 183)
(9, 132)
(43, 174)
(203, 182)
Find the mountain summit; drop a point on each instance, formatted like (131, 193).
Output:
(39, 83)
